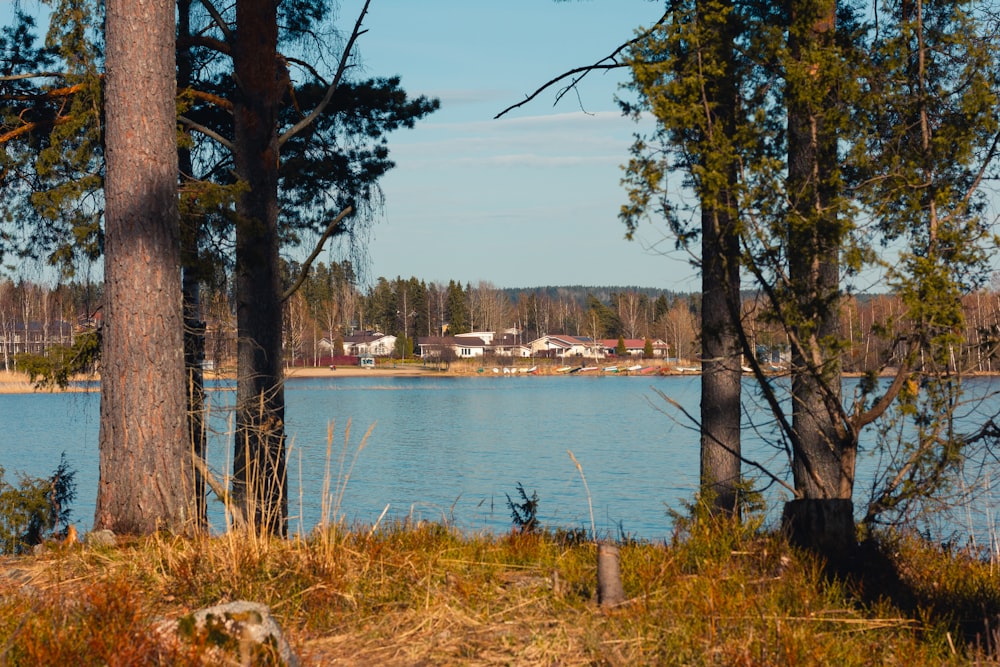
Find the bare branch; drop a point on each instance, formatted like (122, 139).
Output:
(218, 20)
(216, 100)
(211, 43)
(315, 253)
(219, 490)
(578, 73)
(750, 462)
(208, 132)
(862, 419)
(33, 75)
(46, 95)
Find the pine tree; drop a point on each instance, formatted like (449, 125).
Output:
(143, 433)
(686, 70)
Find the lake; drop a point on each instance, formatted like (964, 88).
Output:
(442, 449)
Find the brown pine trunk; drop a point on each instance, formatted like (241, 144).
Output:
(259, 469)
(145, 470)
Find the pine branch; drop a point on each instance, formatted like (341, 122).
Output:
(341, 68)
(30, 127)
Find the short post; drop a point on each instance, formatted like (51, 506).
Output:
(609, 579)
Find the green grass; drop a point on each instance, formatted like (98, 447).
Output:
(425, 594)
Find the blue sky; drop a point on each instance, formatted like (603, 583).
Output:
(531, 199)
(528, 200)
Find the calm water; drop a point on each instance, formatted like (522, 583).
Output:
(440, 449)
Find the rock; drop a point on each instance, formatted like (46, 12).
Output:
(242, 626)
(100, 538)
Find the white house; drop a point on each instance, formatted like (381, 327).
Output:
(462, 347)
(561, 346)
(374, 344)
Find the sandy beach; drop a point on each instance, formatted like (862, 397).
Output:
(17, 383)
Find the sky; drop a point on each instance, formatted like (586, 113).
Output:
(528, 200)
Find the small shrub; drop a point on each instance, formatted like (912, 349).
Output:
(35, 509)
(525, 513)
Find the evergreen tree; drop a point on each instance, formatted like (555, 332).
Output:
(457, 309)
(687, 70)
(865, 112)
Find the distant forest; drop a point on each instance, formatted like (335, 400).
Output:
(330, 305)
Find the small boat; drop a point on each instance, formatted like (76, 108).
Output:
(634, 369)
(564, 369)
(610, 369)
(647, 370)
(585, 369)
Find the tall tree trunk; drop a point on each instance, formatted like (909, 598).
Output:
(259, 467)
(824, 448)
(721, 377)
(146, 479)
(194, 326)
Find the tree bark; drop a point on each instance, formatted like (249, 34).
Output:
(259, 466)
(194, 326)
(145, 473)
(722, 372)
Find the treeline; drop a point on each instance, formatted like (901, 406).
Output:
(330, 305)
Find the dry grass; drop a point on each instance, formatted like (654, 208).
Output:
(12, 382)
(410, 595)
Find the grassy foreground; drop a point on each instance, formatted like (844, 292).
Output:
(412, 595)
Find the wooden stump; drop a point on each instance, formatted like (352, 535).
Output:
(609, 579)
(825, 526)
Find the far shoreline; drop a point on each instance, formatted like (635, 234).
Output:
(12, 382)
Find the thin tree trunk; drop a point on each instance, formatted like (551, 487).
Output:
(194, 326)
(146, 480)
(259, 467)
